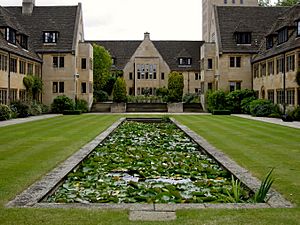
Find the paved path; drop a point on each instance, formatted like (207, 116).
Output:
(25, 120)
(294, 124)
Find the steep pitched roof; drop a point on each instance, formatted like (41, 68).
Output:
(8, 19)
(287, 19)
(252, 19)
(120, 50)
(48, 18)
(169, 50)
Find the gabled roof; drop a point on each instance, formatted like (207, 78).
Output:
(287, 19)
(48, 18)
(256, 20)
(8, 19)
(120, 50)
(169, 50)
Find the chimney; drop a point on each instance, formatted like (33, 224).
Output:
(27, 7)
(147, 36)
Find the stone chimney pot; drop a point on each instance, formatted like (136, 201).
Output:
(27, 7)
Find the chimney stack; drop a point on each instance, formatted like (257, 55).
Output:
(27, 7)
(146, 36)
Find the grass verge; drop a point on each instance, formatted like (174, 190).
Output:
(28, 151)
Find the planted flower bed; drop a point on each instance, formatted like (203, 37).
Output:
(148, 163)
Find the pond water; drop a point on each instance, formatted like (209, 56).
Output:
(147, 163)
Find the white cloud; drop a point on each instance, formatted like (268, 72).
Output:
(129, 19)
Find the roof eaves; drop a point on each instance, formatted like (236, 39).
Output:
(76, 27)
(218, 29)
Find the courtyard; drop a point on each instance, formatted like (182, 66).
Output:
(257, 146)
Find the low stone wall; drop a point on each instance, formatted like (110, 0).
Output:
(146, 107)
(118, 108)
(101, 107)
(192, 107)
(175, 107)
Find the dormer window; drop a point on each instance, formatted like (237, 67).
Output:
(185, 61)
(243, 37)
(298, 28)
(269, 42)
(282, 35)
(24, 41)
(50, 37)
(10, 35)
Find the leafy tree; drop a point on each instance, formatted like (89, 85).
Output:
(175, 87)
(119, 91)
(264, 3)
(33, 85)
(102, 66)
(108, 87)
(287, 2)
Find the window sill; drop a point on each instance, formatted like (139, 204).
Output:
(49, 44)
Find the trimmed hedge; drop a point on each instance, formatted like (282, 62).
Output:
(261, 107)
(221, 112)
(61, 103)
(72, 112)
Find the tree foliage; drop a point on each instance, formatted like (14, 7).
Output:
(119, 90)
(175, 87)
(264, 3)
(287, 2)
(33, 85)
(102, 66)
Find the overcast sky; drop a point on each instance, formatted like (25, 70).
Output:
(129, 19)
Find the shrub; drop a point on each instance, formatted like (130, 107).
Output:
(61, 103)
(261, 107)
(175, 87)
(191, 98)
(35, 109)
(119, 91)
(245, 104)
(216, 100)
(100, 96)
(82, 105)
(296, 113)
(163, 92)
(234, 100)
(21, 109)
(5, 112)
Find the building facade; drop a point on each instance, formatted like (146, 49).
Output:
(47, 42)
(146, 64)
(233, 40)
(276, 65)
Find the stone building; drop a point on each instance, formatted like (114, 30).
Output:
(146, 64)
(278, 60)
(234, 39)
(48, 42)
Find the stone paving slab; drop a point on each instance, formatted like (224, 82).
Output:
(151, 216)
(294, 124)
(27, 119)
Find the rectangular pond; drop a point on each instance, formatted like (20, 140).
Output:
(148, 162)
(155, 161)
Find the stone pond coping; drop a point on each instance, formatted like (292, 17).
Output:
(33, 195)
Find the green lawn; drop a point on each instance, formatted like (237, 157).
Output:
(30, 150)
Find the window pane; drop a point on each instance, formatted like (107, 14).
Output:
(238, 61)
(61, 87)
(83, 63)
(61, 61)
